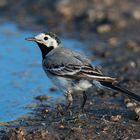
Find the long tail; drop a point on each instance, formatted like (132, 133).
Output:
(118, 88)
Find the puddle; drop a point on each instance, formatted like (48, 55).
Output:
(22, 77)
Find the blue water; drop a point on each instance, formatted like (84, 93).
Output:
(21, 74)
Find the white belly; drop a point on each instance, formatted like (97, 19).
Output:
(61, 83)
(82, 85)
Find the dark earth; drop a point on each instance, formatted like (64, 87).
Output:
(111, 30)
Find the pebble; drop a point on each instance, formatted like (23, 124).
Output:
(46, 110)
(113, 41)
(130, 104)
(116, 118)
(61, 126)
(133, 45)
(136, 14)
(103, 28)
(137, 110)
(132, 64)
(77, 129)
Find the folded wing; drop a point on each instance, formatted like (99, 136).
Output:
(80, 72)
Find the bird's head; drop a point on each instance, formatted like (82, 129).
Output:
(46, 42)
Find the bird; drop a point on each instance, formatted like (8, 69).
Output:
(72, 71)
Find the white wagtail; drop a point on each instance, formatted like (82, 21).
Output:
(71, 71)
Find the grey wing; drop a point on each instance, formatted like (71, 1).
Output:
(69, 64)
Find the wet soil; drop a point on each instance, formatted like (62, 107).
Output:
(112, 36)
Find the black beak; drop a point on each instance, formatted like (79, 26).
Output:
(31, 39)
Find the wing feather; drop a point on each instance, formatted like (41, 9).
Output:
(80, 72)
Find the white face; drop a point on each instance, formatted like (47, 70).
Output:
(46, 40)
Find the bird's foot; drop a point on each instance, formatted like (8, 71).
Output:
(82, 110)
(63, 111)
(68, 109)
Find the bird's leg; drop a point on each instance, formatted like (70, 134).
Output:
(70, 100)
(84, 100)
(63, 112)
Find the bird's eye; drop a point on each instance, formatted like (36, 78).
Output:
(45, 38)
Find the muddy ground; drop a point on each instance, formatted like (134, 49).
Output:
(111, 30)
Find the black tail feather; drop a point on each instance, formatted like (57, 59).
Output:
(118, 88)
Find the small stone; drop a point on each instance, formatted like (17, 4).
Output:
(113, 41)
(43, 124)
(91, 103)
(103, 28)
(132, 45)
(61, 126)
(105, 129)
(132, 64)
(77, 129)
(46, 110)
(116, 118)
(136, 14)
(130, 104)
(137, 110)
